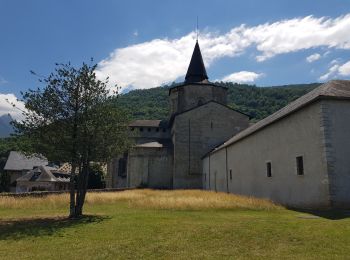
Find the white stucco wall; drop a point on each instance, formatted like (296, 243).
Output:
(298, 134)
(337, 135)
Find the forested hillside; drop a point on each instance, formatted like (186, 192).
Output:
(258, 102)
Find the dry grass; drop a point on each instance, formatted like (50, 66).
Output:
(152, 199)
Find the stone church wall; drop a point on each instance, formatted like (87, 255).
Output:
(245, 169)
(150, 167)
(187, 97)
(195, 133)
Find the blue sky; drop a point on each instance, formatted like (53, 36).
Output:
(143, 44)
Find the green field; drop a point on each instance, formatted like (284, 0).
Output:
(168, 225)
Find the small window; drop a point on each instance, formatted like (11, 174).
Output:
(268, 169)
(211, 125)
(300, 165)
(131, 129)
(157, 129)
(230, 174)
(141, 129)
(164, 130)
(149, 129)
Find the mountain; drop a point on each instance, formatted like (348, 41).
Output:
(258, 102)
(5, 125)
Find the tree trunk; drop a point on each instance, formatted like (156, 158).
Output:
(82, 187)
(72, 213)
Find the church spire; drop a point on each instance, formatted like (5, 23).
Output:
(196, 70)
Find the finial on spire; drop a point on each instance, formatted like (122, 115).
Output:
(197, 32)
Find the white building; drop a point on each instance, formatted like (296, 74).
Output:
(298, 156)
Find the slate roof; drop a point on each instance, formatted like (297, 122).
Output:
(150, 145)
(335, 89)
(148, 123)
(18, 162)
(44, 174)
(196, 70)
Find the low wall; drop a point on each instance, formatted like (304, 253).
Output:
(45, 193)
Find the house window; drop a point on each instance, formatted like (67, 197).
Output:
(230, 174)
(149, 129)
(268, 169)
(157, 129)
(141, 129)
(300, 165)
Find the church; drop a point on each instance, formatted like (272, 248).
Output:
(298, 156)
(168, 154)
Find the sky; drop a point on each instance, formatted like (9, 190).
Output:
(146, 44)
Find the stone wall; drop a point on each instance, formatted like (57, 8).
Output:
(150, 167)
(298, 134)
(195, 133)
(186, 97)
(335, 125)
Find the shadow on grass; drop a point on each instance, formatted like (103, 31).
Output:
(333, 214)
(20, 228)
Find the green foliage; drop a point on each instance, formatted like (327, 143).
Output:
(96, 177)
(258, 102)
(71, 119)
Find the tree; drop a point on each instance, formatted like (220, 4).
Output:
(72, 119)
(96, 177)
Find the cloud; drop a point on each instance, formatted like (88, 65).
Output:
(150, 64)
(242, 76)
(344, 70)
(313, 57)
(336, 70)
(6, 107)
(135, 33)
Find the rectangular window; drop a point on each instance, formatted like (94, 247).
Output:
(300, 165)
(230, 174)
(268, 169)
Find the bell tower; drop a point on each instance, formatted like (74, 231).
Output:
(196, 90)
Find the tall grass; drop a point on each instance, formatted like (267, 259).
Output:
(146, 198)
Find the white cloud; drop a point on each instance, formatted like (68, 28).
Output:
(344, 70)
(313, 57)
(136, 33)
(242, 76)
(336, 70)
(159, 61)
(6, 106)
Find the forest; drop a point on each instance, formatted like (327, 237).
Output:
(258, 102)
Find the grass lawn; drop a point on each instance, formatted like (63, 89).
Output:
(168, 225)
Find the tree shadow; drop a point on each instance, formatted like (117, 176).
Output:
(20, 228)
(332, 214)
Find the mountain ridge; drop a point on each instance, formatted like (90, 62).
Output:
(258, 102)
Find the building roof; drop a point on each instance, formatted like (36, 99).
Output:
(150, 145)
(44, 174)
(149, 123)
(171, 121)
(335, 89)
(196, 70)
(18, 162)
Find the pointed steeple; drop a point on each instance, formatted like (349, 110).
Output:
(196, 70)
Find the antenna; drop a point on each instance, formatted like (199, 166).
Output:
(197, 29)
